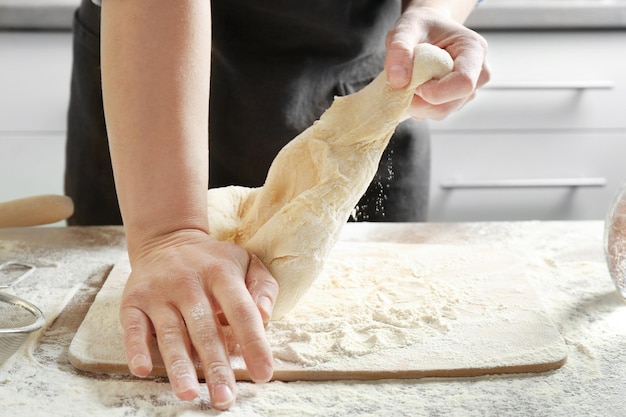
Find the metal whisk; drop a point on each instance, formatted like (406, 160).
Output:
(18, 317)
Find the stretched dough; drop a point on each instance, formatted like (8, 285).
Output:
(313, 184)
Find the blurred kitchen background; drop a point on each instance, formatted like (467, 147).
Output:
(546, 140)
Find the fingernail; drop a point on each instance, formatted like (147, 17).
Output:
(140, 365)
(222, 396)
(261, 371)
(186, 387)
(398, 76)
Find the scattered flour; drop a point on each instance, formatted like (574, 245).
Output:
(563, 262)
(376, 308)
(351, 311)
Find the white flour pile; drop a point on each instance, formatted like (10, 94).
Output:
(342, 317)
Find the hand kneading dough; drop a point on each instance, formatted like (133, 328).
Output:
(313, 184)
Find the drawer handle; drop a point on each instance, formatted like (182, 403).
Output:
(525, 183)
(552, 85)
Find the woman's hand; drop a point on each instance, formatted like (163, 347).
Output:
(179, 286)
(434, 22)
(155, 85)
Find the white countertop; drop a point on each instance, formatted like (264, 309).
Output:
(564, 264)
(493, 14)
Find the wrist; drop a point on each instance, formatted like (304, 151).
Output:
(161, 223)
(142, 243)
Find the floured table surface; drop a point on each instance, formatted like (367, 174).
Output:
(379, 310)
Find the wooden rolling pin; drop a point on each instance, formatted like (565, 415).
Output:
(35, 211)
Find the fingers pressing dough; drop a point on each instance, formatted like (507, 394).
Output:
(313, 184)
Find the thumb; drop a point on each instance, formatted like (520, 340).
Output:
(400, 42)
(398, 62)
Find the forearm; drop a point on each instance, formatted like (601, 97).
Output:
(155, 79)
(459, 10)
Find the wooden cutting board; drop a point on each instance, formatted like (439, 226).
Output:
(380, 310)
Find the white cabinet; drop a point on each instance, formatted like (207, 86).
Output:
(34, 94)
(556, 110)
(525, 176)
(31, 164)
(546, 140)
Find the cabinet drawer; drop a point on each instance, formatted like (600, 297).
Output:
(31, 165)
(549, 80)
(505, 176)
(35, 72)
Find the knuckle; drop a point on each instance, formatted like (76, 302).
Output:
(271, 291)
(132, 300)
(252, 344)
(169, 335)
(134, 324)
(238, 312)
(244, 310)
(443, 111)
(263, 284)
(134, 333)
(404, 26)
(482, 42)
(216, 372)
(467, 84)
(261, 281)
(270, 283)
(187, 279)
(201, 315)
(400, 48)
(131, 318)
(222, 269)
(473, 40)
(205, 336)
(180, 366)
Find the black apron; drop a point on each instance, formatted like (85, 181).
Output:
(276, 66)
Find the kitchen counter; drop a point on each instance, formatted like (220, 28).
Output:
(493, 14)
(564, 263)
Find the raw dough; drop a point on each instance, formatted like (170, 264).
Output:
(294, 219)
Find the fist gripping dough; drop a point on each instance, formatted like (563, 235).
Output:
(313, 184)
